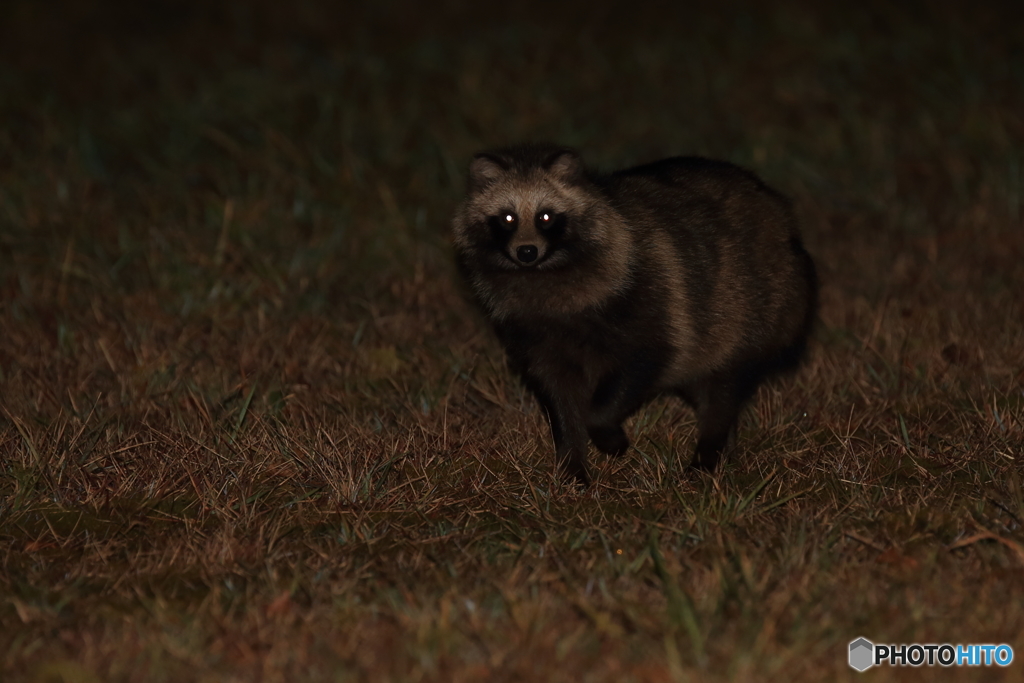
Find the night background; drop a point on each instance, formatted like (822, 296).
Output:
(252, 430)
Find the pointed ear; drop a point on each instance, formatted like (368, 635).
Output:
(565, 164)
(484, 170)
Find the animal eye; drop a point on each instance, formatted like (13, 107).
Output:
(503, 222)
(545, 219)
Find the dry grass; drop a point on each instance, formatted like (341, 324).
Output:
(250, 430)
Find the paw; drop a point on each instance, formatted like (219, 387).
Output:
(708, 456)
(575, 476)
(610, 440)
(713, 450)
(704, 463)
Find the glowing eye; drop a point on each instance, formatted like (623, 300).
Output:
(509, 218)
(545, 217)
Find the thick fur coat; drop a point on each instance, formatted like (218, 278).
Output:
(685, 276)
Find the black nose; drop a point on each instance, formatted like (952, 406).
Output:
(527, 253)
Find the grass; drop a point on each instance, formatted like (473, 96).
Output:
(250, 429)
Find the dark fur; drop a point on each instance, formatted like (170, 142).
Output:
(685, 276)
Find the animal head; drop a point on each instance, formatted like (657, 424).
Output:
(526, 208)
(534, 227)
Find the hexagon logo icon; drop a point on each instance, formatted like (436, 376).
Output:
(862, 654)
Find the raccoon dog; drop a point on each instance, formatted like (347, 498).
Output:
(684, 276)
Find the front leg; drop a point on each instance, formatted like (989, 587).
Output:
(568, 430)
(558, 377)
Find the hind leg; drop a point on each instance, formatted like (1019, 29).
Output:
(717, 403)
(716, 443)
